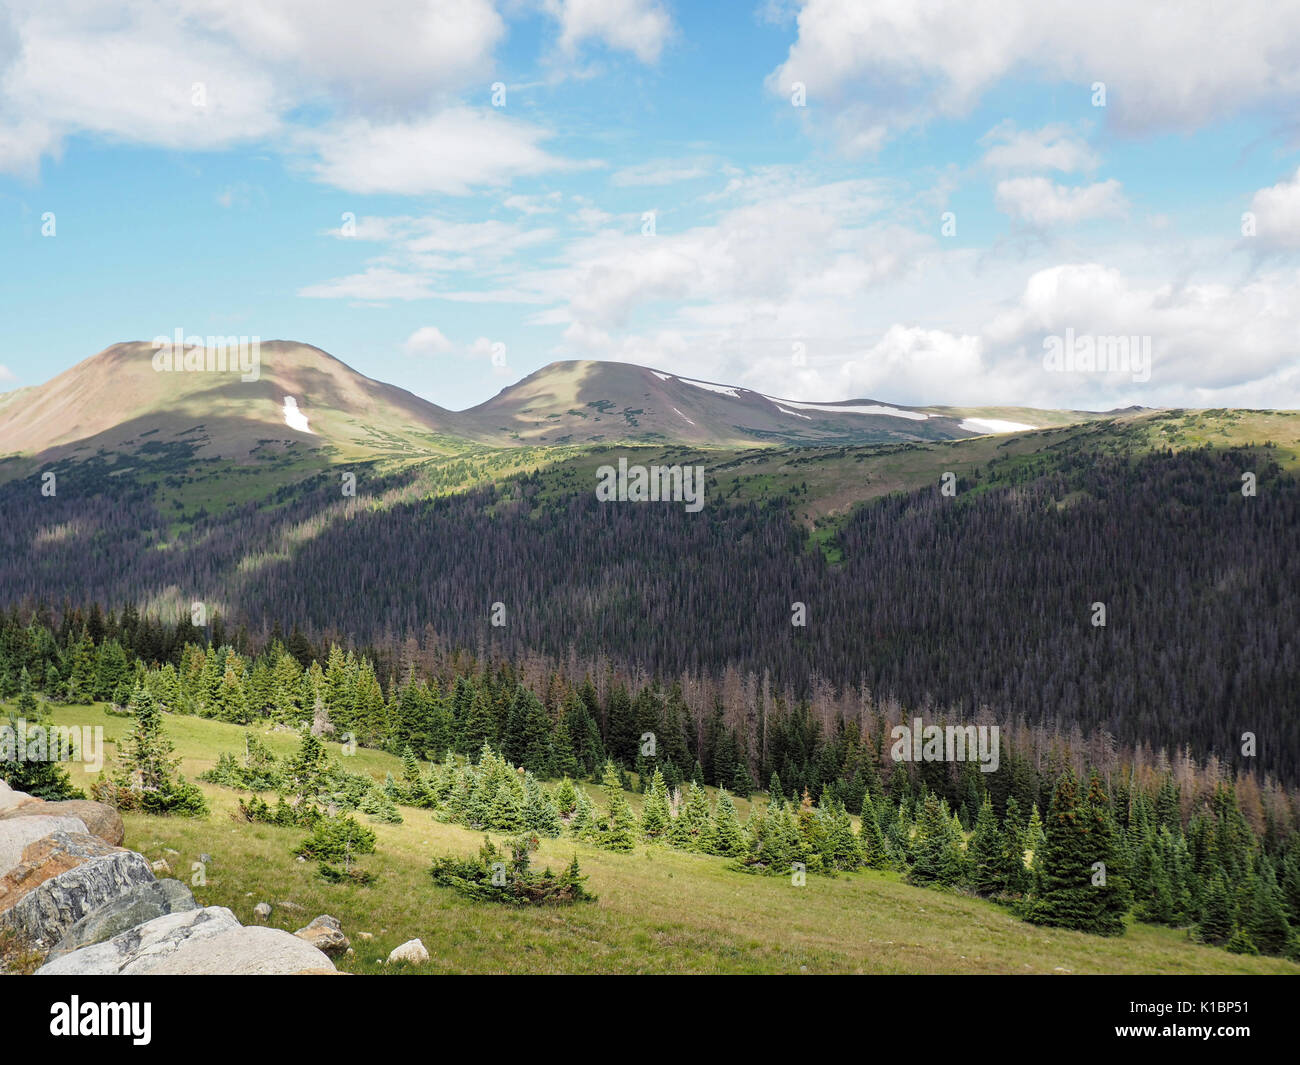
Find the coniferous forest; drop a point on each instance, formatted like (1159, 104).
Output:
(987, 599)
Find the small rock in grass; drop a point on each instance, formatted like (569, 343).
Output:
(412, 952)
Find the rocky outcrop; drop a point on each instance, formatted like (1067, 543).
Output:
(99, 819)
(326, 935)
(15, 835)
(61, 878)
(94, 908)
(11, 800)
(125, 912)
(208, 942)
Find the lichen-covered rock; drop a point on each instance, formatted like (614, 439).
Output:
(326, 935)
(17, 833)
(201, 942)
(61, 878)
(123, 913)
(100, 819)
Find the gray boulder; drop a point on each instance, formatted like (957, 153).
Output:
(200, 942)
(253, 950)
(17, 833)
(143, 946)
(62, 877)
(123, 913)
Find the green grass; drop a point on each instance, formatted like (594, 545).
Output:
(658, 911)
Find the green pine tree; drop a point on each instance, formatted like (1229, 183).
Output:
(987, 853)
(618, 827)
(655, 815)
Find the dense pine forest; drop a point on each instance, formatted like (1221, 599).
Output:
(984, 599)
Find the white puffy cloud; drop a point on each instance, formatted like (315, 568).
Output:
(1041, 202)
(427, 341)
(896, 63)
(1212, 343)
(1277, 215)
(909, 360)
(391, 54)
(213, 74)
(641, 27)
(132, 74)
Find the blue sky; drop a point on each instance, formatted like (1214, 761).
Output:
(797, 250)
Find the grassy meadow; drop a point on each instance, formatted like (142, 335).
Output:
(658, 910)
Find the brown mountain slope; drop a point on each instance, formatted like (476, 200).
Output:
(605, 402)
(117, 400)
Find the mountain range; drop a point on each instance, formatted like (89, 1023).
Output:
(118, 402)
(314, 497)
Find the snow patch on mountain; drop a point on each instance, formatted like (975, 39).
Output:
(722, 390)
(890, 412)
(293, 417)
(993, 425)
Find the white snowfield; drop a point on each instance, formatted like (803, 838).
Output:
(293, 417)
(993, 425)
(891, 412)
(971, 425)
(722, 390)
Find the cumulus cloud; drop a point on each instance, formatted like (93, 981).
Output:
(909, 360)
(213, 74)
(202, 90)
(1210, 344)
(1041, 203)
(641, 27)
(1277, 215)
(887, 66)
(880, 310)
(427, 341)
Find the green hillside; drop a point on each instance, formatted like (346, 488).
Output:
(659, 910)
